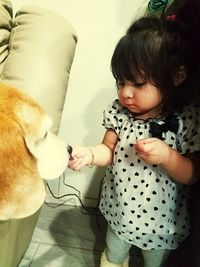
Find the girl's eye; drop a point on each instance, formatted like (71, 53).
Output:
(139, 84)
(134, 84)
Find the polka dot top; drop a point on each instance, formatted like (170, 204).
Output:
(142, 204)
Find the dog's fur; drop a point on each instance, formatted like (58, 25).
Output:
(29, 152)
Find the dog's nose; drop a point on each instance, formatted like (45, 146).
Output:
(69, 150)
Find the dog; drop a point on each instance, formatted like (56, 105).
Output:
(29, 153)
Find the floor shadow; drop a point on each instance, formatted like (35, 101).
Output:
(80, 230)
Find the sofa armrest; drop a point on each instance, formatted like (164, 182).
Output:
(36, 54)
(41, 51)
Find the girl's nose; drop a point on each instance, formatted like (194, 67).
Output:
(128, 92)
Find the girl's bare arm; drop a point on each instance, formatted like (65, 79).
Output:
(103, 153)
(99, 155)
(183, 168)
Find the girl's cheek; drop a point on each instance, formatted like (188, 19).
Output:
(120, 97)
(119, 92)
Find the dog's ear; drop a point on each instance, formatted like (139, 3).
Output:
(34, 135)
(31, 145)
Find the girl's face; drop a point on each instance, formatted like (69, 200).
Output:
(141, 98)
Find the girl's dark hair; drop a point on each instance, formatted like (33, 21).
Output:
(155, 49)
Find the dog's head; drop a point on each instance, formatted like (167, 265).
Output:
(29, 153)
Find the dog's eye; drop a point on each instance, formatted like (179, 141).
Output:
(45, 136)
(41, 139)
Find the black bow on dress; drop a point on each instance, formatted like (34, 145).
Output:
(170, 124)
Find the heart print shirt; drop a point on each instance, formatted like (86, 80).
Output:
(142, 204)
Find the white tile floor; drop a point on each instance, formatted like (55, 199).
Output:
(67, 237)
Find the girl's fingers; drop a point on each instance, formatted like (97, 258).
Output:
(146, 145)
(147, 140)
(76, 166)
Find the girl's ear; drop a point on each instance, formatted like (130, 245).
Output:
(180, 76)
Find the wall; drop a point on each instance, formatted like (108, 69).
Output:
(99, 25)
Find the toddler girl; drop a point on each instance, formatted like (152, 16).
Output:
(150, 129)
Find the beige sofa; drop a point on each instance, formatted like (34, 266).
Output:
(36, 52)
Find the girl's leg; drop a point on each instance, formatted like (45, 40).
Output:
(155, 258)
(117, 250)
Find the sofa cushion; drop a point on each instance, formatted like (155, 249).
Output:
(42, 46)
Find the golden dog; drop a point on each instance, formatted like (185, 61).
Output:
(29, 152)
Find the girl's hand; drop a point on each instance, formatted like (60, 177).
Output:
(153, 150)
(81, 156)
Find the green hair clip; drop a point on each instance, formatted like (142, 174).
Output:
(155, 5)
